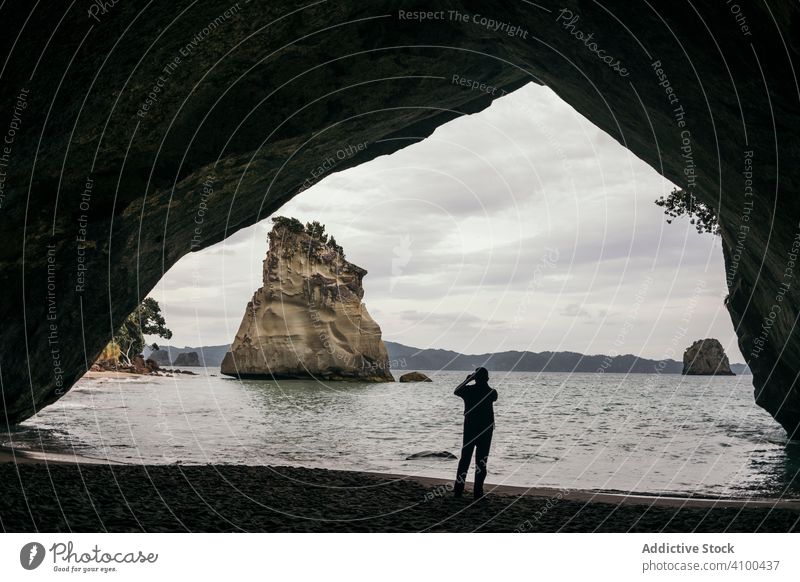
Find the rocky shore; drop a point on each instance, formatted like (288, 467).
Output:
(138, 366)
(170, 498)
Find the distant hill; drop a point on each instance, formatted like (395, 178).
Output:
(409, 358)
(741, 369)
(210, 356)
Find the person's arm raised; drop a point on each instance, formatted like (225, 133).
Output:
(460, 388)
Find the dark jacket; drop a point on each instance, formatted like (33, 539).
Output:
(478, 408)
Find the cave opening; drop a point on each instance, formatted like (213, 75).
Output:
(493, 166)
(521, 227)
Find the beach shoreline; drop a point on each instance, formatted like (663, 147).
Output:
(56, 492)
(44, 490)
(440, 487)
(40, 457)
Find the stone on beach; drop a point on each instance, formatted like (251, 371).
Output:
(431, 455)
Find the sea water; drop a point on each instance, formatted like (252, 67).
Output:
(634, 433)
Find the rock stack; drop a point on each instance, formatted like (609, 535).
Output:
(308, 320)
(706, 357)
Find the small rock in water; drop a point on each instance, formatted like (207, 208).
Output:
(415, 377)
(179, 371)
(706, 357)
(431, 455)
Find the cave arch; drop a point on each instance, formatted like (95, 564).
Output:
(735, 84)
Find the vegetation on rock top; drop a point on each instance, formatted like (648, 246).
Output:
(679, 202)
(315, 230)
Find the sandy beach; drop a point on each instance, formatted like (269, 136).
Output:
(50, 493)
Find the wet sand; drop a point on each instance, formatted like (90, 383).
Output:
(54, 493)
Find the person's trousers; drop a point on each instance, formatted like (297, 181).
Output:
(478, 442)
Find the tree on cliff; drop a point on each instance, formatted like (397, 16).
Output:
(335, 246)
(679, 202)
(292, 224)
(316, 231)
(145, 320)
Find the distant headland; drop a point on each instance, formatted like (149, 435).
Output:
(403, 357)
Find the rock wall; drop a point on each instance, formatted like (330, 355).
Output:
(308, 320)
(144, 133)
(706, 357)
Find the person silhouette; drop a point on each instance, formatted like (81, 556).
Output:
(478, 428)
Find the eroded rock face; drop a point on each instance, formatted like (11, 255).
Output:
(106, 187)
(706, 357)
(308, 320)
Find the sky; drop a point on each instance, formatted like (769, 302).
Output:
(522, 227)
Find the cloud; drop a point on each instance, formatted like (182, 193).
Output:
(459, 234)
(574, 310)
